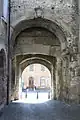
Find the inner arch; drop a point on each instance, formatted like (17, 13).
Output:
(43, 23)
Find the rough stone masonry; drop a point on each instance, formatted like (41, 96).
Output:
(48, 32)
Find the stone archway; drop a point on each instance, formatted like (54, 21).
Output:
(53, 44)
(26, 62)
(43, 23)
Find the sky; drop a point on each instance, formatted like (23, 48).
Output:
(5, 7)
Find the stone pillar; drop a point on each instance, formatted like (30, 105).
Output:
(60, 79)
(75, 76)
(52, 85)
(5, 76)
(20, 83)
(57, 83)
(66, 77)
(15, 69)
(54, 78)
(13, 82)
(16, 83)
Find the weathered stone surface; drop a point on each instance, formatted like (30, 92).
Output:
(3, 82)
(50, 28)
(39, 41)
(77, 71)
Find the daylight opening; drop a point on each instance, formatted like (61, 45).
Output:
(35, 84)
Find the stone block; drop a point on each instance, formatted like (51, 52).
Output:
(77, 71)
(73, 64)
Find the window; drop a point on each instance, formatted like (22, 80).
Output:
(42, 82)
(31, 68)
(42, 68)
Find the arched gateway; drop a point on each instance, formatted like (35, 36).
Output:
(41, 41)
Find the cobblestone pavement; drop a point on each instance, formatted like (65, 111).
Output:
(51, 110)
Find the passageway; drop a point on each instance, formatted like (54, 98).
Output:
(45, 32)
(39, 44)
(51, 110)
(35, 84)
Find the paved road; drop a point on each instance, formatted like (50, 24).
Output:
(51, 110)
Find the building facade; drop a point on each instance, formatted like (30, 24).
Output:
(36, 75)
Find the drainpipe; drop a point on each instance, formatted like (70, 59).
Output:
(8, 51)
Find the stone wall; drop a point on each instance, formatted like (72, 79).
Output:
(61, 11)
(3, 66)
(65, 15)
(3, 79)
(36, 40)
